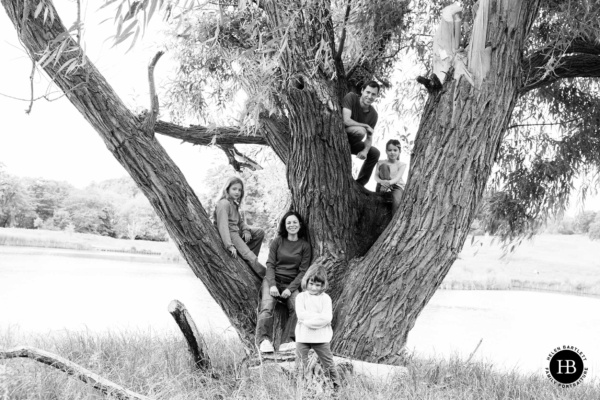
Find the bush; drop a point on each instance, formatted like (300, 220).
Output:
(583, 221)
(594, 230)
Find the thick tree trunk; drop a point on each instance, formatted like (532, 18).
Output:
(455, 150)
(231, 282)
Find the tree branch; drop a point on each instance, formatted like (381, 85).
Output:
(150, 118)
(31, 100)
(271, 131)
(545, 69)
(202, 135)
(237, 159)
(103, 385)
(338, 54)
(195, 341)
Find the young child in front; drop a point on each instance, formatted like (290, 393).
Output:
(313, 330)
(388, 173)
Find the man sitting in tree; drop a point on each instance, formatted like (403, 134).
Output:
(359, 119)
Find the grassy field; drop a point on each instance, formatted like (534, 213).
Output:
(566, 263)
(160, 368)
(79, 241)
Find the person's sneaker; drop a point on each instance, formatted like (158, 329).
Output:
(289, 346)
(266, 346)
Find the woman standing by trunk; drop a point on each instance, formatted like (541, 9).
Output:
(289, 258)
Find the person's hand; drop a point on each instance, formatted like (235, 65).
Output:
(273, 291)
(362, 154)
(370, 130)
(246, 236)
(385, 184)
(232, 251)
(286, 293)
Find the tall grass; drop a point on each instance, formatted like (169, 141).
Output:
(161, 368)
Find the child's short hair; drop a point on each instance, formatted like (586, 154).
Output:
(394, 142)
(318, 274)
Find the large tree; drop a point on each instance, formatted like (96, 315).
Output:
(296, 60)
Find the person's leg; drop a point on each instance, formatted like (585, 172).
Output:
(247, 254)
(396, 196)
(326, 357)
(289, 333)
(255, 242)
(384, 173)
(367, 168)
(356, 134)
(265, 316)
(302, 357)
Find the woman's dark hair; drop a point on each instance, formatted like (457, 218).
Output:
(302, 232)
(395, 142)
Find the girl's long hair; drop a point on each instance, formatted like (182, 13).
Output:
(223, 193)
(302, 232)
(317, 273)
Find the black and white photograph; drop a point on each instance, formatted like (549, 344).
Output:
(311, 199)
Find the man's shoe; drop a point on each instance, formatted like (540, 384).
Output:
(266, 346)
(289, 346)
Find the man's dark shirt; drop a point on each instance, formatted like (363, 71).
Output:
(352, 102)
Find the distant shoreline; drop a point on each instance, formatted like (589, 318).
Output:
(38, 238)
(535, 267)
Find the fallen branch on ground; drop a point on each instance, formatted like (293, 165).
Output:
(85, 375)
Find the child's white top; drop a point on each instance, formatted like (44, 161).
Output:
(314, 314)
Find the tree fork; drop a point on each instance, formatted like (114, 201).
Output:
(455, 149)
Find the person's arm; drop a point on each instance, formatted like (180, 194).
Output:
(300, 308)
(322, 319)
(304, 264)
(399, 175)
(242, 224)
(222, 214)
(348, 121)
(272, 261)
(368, 141)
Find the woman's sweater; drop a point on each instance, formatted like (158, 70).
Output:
(314, 314)
(287, 263)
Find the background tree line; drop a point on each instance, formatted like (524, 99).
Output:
(117, 208)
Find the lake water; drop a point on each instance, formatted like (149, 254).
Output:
(48, 291)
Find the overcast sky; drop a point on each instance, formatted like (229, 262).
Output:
(55, 142)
